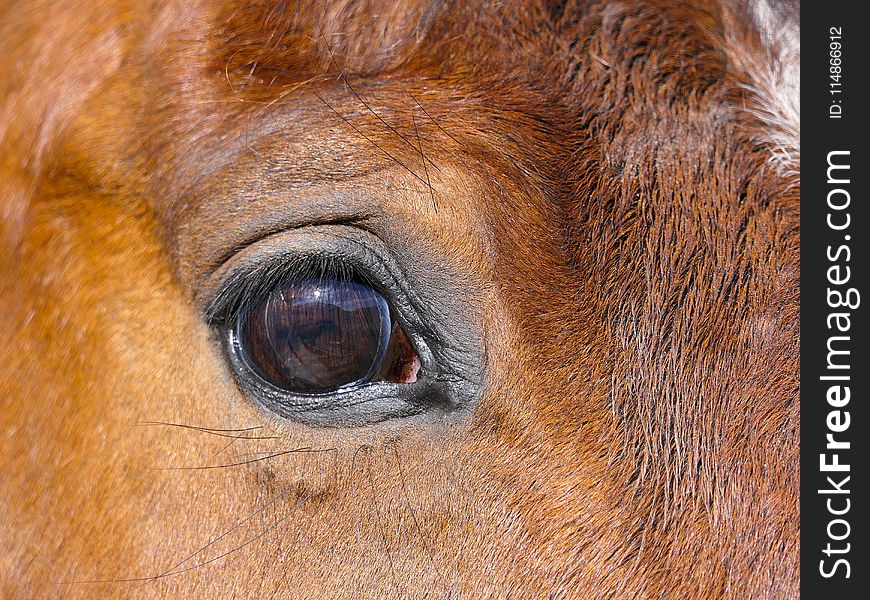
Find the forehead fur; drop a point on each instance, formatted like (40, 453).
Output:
(587, 59)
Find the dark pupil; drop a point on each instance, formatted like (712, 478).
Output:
(316, 335)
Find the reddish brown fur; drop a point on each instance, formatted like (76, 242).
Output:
(596, 176)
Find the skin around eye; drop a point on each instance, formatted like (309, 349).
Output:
(316, 335)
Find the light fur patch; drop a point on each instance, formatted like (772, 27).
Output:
(768, 54)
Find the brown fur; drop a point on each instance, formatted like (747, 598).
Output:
(613, 187)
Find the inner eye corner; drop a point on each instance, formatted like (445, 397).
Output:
(402, 361)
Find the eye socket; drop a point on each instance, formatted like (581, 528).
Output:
(377, 343)
(318, 335)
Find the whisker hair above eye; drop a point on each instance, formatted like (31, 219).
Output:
(369, 139)
(343, 77)
(431, 118)
(425, 169)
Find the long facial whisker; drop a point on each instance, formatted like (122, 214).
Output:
(222, 450)
(227, 433)
(413, 514)
(425, 169)
(431, 118)
(268, 456)
(176, 571)
(247, 542)
(380, 526)
(173, 570)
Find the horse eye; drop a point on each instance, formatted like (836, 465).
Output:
(318, 335)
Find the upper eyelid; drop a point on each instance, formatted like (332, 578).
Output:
(248, 283)
(348, 254)
(357, 221)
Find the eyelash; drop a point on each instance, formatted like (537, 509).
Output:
(246, 286)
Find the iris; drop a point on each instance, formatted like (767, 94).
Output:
(316, 335)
